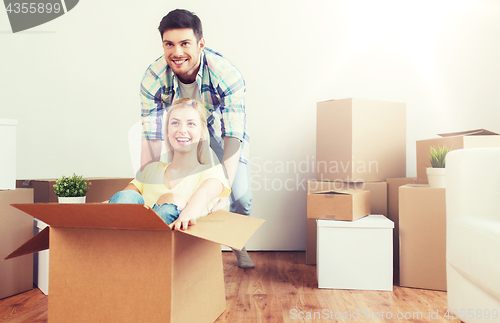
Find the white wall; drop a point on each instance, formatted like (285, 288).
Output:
(73, 83)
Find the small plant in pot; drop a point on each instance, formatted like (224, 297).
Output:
(436, 173)
(72, 189)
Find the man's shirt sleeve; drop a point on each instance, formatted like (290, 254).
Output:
(152, 105)
(232, 91)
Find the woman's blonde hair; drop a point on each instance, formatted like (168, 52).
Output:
(204, 144)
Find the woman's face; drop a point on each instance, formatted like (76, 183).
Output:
(184, 129)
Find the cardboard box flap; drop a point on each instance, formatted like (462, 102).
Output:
(374, 221)
(39, 242)
(229, 229)
(340, 192)
(476, 132)
(95, 215)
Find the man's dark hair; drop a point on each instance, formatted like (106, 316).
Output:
(179, 19)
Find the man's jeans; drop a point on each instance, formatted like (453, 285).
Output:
(241, 195)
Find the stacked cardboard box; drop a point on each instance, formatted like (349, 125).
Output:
(453, 140)
(15, 227)
(377, 205)
(101, 188)
(360, 140)
(393, 185)
(359, 144)
(422, 234)
(421, 221)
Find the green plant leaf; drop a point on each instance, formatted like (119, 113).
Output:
(71, 186)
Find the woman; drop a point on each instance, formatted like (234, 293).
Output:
(189, 186)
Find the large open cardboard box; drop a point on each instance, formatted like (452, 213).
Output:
(454, 140)
(378, 205)
(16, 227)
(122, 263)
(422, 234)
(360, 140)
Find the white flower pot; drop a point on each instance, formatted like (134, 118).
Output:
(436, 177)
(77, 199)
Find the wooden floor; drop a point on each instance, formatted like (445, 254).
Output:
(281, 288)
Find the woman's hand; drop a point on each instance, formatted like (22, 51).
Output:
(210, 189)
(185, 219)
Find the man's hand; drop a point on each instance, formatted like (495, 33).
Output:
(150, 151)
(221, 204)
(231, 157)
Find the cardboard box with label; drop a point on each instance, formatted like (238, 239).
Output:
(122, 263)
(393, 185)
(360, 140)
(16, 227)
(378, 205)
(422, 234)
(453, 140)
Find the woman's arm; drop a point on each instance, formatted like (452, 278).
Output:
(207, 192)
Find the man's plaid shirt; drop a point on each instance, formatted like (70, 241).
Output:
(222, 90)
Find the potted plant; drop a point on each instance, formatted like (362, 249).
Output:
(436, 173)
(71, 189)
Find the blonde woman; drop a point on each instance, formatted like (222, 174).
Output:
(190, 185)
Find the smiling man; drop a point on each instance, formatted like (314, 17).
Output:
(189, 69)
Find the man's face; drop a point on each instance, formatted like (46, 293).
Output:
(182, 53)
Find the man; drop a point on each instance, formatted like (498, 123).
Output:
(189, 69)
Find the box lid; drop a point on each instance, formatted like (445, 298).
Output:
(476, 132)
(8, 122)
(230, 229)
(95, 215)
(414, 185)
(340, 192)
(369, 221)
